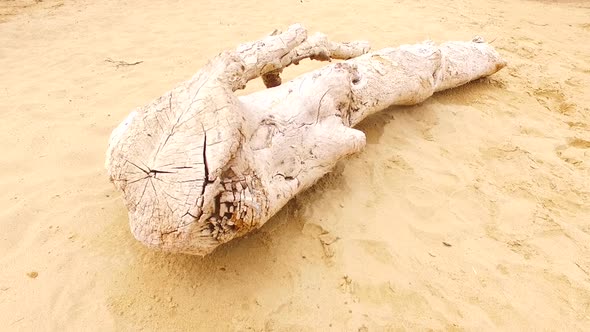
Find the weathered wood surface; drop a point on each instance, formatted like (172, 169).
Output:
(200, 166)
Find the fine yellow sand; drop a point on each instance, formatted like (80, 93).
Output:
(470, 211)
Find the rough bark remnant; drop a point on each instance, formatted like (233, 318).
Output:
(200, 166)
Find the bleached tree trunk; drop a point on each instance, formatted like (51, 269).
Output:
(200, 166)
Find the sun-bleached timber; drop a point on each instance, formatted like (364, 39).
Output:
(200, 166)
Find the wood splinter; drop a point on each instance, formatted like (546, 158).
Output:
(200, 166)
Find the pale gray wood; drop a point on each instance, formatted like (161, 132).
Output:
(199, 166)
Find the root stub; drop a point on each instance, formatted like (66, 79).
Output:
(200, 166)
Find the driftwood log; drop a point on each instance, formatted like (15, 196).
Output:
(200, 166)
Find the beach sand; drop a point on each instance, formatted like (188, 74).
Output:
(470, 211)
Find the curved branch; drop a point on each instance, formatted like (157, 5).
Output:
(269, 56)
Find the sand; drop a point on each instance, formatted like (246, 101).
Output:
(470, 211)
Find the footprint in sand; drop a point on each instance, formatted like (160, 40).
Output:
(326, 238)
(576, 152)
(554, 100)
(378, 250)
(524, 47)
